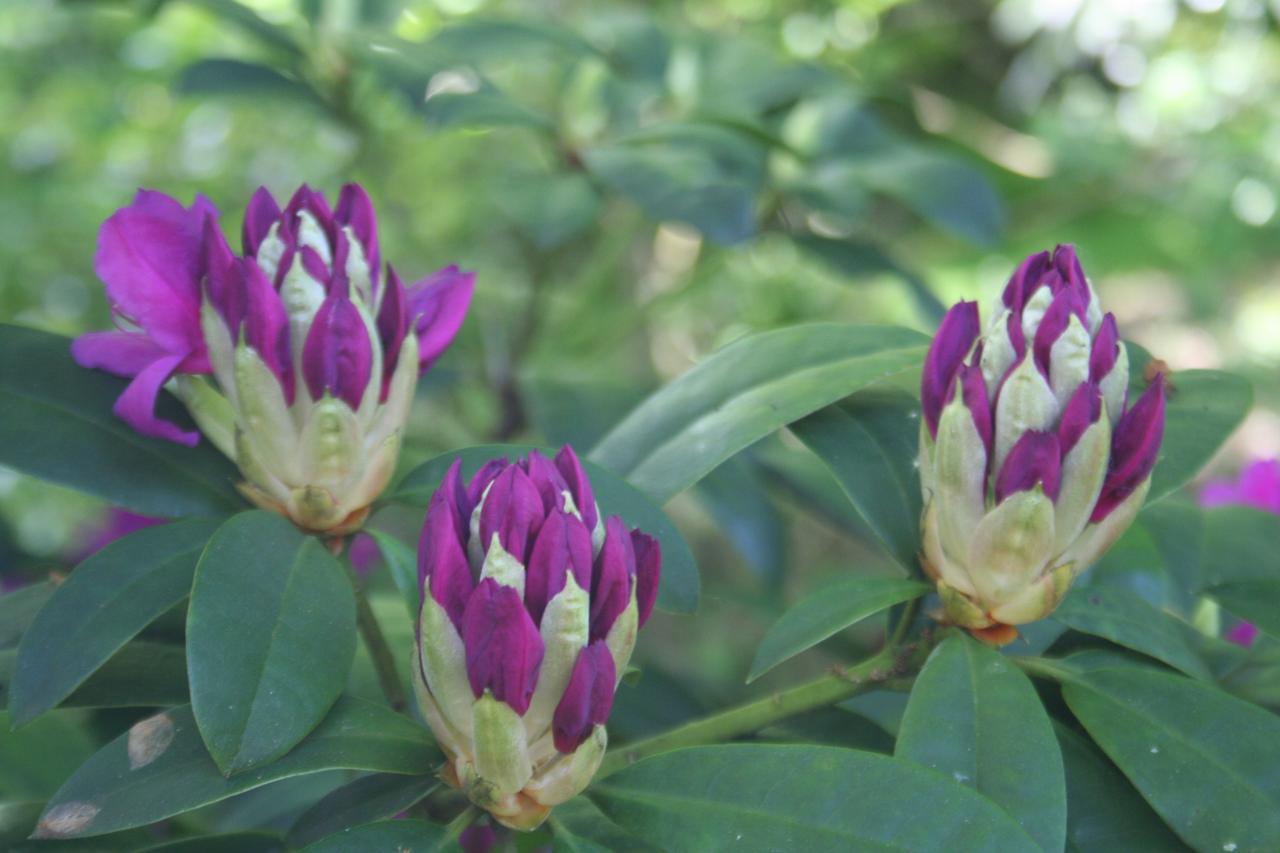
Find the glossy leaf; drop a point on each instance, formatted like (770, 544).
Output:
(169, 770)
(231, 842)
(102, 605)
(870, 443)
(1203, 759)
(579, 827)
(369, 798)
(1127, 620)
(765, 797)
(416, 836)
(745, 391)
(140, 675)
(402, 563)
(745, 514)
(217, 76)
(58, 426)
(35, 759)
(1240, 565)
(827, 612)
(19, 608)
(975, 717)
(678, 589)
(943, 189)
(270, 638)
(1104, 812)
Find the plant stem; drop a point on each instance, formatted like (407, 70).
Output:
(384, 662)
(889, 664)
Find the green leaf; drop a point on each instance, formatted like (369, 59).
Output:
(58, 426)
(402, 563)
(1240, 564)
(745, 514)
(1104, 813)
(370, 798)
(551, 209)
(975, 717)
(578, 827)
(140, 675)
(870, 443)
(741, 393)
(678, 589)
(412, 836)
(231, 842)
(251, 22)
(478, 39)
(270, 638)
(102, 605)
(1203, 759)
(1127, 620)
(766, 797)
(831, 726)
(218, 76)
(19, 608)
(827, 612)
(17, 819)
(943, 189)
(485, 107)
(34, 761)
(857, 259)
(168, 770)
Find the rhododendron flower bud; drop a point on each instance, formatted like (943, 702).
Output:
(530, 605)
(297, 359)
(1032, 459)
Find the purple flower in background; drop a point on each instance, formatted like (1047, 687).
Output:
(1033, 460)
(531, 601)
(297, 359)
(116, 523)
(1258, 486)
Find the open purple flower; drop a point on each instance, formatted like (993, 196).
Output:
(530, 606)
(298, 359)
(1033, 460)
(1258, 486)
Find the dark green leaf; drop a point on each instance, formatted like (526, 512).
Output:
(392, 836)
(579, 827)
(1126, 619)
(478, 39)
(485, 107)
(551, 209)
(870, 444)
(102, 605)
(833, 726)
(58, 426)
(35, 760)
(370, 798)
(745, 391)
(402, 562)
(207, 77)
(943, 189)
(827, 612)
(19, 608)
(140, 675)
(1104, 813)
(741, 507)
(17, 820)
(654, 703)
(1203, 759)
(975, 717)
(168, 771)
(765, 797)
(1241, 564)
(231, 842)
(678, 589)
(270, 638)
(857, 259)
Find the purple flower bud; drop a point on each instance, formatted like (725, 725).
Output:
(648, 572)
(955, 337)
(513, 510)
(355, 210)
(442, 556)
(1134, 449)
(1052, 325)
(261, 214)
(588, 698)
(1068, 266)
(478, 838)
(570, 467)
(970, 384)
(1025, 280)
(503, 647)
(337, 357)
(314, 203)
(1083, 410)
(393, 326)
(1106, 349)
(315, 265)
(480, 481)
(437, 306)
(1035, 458)
(611, 584)
(563, 546)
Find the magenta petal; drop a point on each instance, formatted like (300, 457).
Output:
(611, 583)
(1034, 458)
(1260, 485)
(513, 511)
(262, 213)
(1025, 279)
(503, 647)
(1135, 445)
(973, 390)
(1243, 634)
(544, 476)
(648, 572)
(437, 306)
(480, 481)
(1105, 350)
(570, 467)
(1051, 327)
(393, 326)
(456, 493)
(266, 323)
(137, 405)
(478, 838)
(955, 337)
(442, 558)
(355, 210)
(121, 353)
(337, 357)
(563, 546)
(307, 199)
(1068, 265)
(1082, 411)
(587, 698)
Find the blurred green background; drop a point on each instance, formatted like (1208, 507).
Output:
(637, 184)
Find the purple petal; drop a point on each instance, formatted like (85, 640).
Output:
(393, 326)
(478, 838)
(1051, 327)
(563, 546)
(1068, 266)
(1106, 349)
(262, 213)
(1082, 411)
(512, 510)
(973, 389)
(584, 498)
(544, 476)
(611, 584)
(1243, 634)
(337, 357)
(121, 353)
(356, 210)
(648, 572)
(1135, 446)
(442, 558)
(503, 647)
(480, 481)
(1024, 281)
(437, 306)
(955, 337)
(587, 698)
(1260, 485)
(315, 265)
(364, 556)
(1034, 458)
(137, 405)
(266, 322)
(314, 203)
